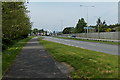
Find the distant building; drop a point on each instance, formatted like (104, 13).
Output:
(119, 12)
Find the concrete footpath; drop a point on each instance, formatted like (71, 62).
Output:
(33, 63)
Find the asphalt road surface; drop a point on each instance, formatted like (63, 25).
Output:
(33, 63)
(100, 47)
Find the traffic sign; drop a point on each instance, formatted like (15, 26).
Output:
(87, 27)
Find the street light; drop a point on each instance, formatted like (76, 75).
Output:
(87, 14)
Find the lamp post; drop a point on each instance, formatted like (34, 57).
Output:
(87, 15)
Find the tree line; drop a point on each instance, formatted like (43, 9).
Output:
(36, 31)
(100, 26)
(15, 22)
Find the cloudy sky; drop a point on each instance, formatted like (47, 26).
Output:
(54, 16)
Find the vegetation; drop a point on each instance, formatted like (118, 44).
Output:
(0, 65)
(15, 22)
(101, 26)
(36, 31)
(105, 42)
(87, 63)
(16, 26)
(9, 54)
(80, 26)
(118, 28)
(68, 30)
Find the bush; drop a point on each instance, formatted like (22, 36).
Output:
(6, 43)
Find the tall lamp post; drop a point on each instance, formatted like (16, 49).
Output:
(87, 15)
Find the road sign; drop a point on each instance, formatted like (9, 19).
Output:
(87, 27)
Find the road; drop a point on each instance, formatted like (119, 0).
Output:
(94, 39)
(100, 47)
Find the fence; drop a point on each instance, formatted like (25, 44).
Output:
(102, 35)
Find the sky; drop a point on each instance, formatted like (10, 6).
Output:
(55, 16)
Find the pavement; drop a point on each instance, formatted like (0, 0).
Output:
(99, 47)
(33, 63)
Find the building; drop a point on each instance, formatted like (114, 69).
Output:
(119, 12)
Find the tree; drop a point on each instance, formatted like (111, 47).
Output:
(118, 29)
(15, 21)
(68, 30)
(99, 21)
(104, 22)
(108, 30)
(35, 30)
(41, 31)
(101, 26)
(80, 26)
(98, 24)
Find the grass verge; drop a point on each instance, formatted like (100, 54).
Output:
(9, 54)
(87, 63)
(0, 65)
(105, 42)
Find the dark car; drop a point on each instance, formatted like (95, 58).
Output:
(73, 36)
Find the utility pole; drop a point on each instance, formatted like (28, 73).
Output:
(87, 16)
(98, 32)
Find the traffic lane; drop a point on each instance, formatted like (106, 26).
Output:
(106, 48)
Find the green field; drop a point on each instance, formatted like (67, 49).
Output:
(87, 63)
(104, 42)
(9, 54)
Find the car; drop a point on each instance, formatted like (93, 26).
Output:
(73, 36)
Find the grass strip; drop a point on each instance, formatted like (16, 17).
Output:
(9, 54)
(87, 63)
(0, 66)
(96, 41)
